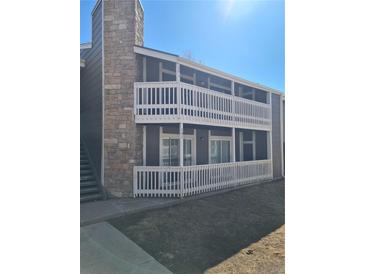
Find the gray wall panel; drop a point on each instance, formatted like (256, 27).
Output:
(276, 135)
(152, 145)
(91, 93)
(202, 147)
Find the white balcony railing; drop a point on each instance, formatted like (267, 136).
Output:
(175, 181)
(174, 102)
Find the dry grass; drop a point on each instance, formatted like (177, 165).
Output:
(265, 256)
(207, 233)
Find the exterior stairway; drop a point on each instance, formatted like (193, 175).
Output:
(89, 189)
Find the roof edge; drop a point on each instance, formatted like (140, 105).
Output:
(176, 58)
(96, 6)
(87, 45)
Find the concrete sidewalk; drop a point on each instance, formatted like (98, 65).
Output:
(104, 249)
(99, 211)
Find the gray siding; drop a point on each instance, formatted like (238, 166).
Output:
(91, 93)
(202, 146)
(152, 145)
(284, 134)
(276, 136)
(261, 145)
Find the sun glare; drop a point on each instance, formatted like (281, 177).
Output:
(233, 9)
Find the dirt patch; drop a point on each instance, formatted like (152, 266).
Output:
(265, 256)
(199, 235)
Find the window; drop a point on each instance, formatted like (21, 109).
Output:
(220, 151)
(188, 155)
(170, 152)
(170, 149)
(247, 145)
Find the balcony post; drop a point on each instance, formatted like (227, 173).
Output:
(270, 137)
(181, 158)
(233, 132)
(178, 90)
(233, 157)
(177, 72)
(233, 103)
(144, 145)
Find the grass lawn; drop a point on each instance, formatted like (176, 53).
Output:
(216, 234)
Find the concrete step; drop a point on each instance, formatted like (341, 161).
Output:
(85, 166)
(90, 197)
(86, 178)
(87, 183)
(85, 172)
(89, 190)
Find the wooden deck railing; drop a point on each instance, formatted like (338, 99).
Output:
(175, 181)
(174, 102)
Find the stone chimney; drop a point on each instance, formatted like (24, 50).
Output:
(122, 145)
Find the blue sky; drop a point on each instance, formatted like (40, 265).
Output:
(241, 37)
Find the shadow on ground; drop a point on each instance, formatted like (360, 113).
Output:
(197, 235)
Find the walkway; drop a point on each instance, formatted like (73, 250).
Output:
(103, 249)
(99, 211)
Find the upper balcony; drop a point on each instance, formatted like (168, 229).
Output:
(175, 102)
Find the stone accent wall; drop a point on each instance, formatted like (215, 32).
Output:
(123, 28)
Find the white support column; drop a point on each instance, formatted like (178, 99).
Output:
(160, 71)
(181, 158)
(270, 137)
(233, 157)
(178, 93)
(282, 133)
(177, 72)
(254, 145)
(233, 128)
(209, 146)
(144, 145)
(181, 144)
(144, 69)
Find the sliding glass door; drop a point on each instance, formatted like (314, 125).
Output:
(220, 151)
(170, 152)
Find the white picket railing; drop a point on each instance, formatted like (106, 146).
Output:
(173, 102)
(175, 181)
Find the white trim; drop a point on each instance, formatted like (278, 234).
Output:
(140, 3)
(102, 93)
(209, 137)
(254, 145)
(200, 67)
(270, 133)
(241, 145)
(144, 145)
(86, 45)
(282, 134)
(178, 75)
(181, 145)
(156, 54)
(233, 147)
